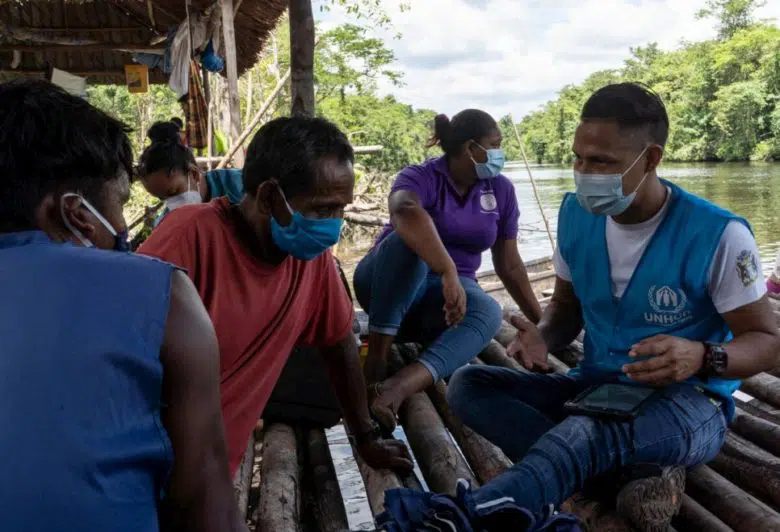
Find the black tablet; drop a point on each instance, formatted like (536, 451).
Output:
(613, 401)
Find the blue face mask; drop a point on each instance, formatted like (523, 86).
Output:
(306, 238)
(603, 193)
(493, 166)
(121, 238)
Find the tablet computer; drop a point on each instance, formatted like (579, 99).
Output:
(612, 401)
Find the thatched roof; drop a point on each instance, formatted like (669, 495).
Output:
(107, 23)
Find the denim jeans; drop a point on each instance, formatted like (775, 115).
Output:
(403, 298)
(554, 453)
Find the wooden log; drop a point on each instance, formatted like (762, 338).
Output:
(279, 507)
(330, 513)
(761, 432)
(243, 479)
(730, 504)
(749, 467)
(764, 387)
(494, 354)
(693, 517)
(486, 460)
(365, 219)
(231, 64)
(506, 333)
(439, 460)
(376, 481)
(302, 58)
(758, 409)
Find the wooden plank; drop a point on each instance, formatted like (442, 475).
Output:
(231, 63)
(737, 509)
(302, 58)
(279, 508)
(330, 513)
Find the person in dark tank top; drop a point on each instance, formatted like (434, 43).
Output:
(109, 366)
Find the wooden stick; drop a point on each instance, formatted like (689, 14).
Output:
(763, 433)
(693, 517)
(749, 467)
(234, 102)
(279, 507)
(486, 460)
(256, 120)
(533, 183)
(330, 513)
(302, 44)
(243, 480)
(764, 387)
(730, 504)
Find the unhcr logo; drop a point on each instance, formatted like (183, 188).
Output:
(668, 305)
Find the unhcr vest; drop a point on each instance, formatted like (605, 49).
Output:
(83, 446)
(667, 293)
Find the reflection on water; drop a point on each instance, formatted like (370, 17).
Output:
(749, 190)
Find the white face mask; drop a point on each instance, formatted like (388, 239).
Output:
(185, 198)
(120, 239)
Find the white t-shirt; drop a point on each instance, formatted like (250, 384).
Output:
(730, 287)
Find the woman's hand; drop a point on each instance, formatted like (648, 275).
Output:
(454, 297)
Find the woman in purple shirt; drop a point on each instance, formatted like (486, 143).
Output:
(419, 280)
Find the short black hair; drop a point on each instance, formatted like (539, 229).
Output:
(176, 120)
(631, 105)
(52, 142)
(166, 151)
(469, 124)
(288, 149)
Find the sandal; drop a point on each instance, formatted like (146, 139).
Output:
(385, 416)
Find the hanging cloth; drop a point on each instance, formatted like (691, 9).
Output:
(196, 110)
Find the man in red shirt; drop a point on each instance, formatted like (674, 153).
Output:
(266, 275)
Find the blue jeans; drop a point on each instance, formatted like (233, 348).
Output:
(403, 298)
(554, 453)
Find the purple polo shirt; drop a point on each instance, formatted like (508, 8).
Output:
(467, 225)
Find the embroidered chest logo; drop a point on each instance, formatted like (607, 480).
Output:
(668, 306)
(747, 267)
(488, 202)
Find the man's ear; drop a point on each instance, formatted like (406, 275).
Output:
(264, 197)
(77, 216)
(655, 154)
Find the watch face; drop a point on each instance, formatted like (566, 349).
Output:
(718, 359)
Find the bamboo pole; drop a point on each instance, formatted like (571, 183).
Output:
(694, 517)
(533, 183)
(330, 513)
(231, 63)
(256, 120)
(279, 508)
(729, 503)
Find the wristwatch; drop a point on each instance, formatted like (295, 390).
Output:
(372, 434)
(716, 360)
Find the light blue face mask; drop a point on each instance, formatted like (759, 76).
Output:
(603, 193)
(493, 166)
(306, 238)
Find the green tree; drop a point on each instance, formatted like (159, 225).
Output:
(732, 15)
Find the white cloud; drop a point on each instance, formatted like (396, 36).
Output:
(513, 55)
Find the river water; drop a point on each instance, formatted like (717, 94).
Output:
(749, 190)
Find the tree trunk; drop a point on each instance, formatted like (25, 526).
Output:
(234, 97)
(302, 58)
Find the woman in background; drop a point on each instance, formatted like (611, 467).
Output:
(420, 277)
(168, 171)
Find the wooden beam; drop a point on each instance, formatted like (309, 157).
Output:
(302, 58)
(234, 101)
(120, 47)
(115, 29)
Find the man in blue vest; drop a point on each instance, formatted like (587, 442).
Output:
(110, 366)
(671, 296)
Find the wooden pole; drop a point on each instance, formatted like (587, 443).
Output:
(239, 141)
(330, 513)
(302, 57)
(533, 183)
(279, 507)
(750, 467)
(730, 504)
(243, 480)
(763, 433)
(764, 387)
(694, 517)
(234, 101)
(376, 481)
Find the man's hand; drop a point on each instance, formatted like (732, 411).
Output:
(528, 347)
(454, 297)
(673, 360)
(387, 454)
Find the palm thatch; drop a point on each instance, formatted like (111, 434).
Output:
(95, 38)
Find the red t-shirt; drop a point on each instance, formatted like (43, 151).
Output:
(260, 311)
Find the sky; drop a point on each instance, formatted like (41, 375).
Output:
(511, 56)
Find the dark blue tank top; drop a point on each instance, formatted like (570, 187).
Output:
(83, 445)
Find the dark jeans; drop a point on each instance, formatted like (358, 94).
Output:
(554, 453)
(403, 298)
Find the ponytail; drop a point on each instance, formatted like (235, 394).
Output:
(166, 151)
(471, 124)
